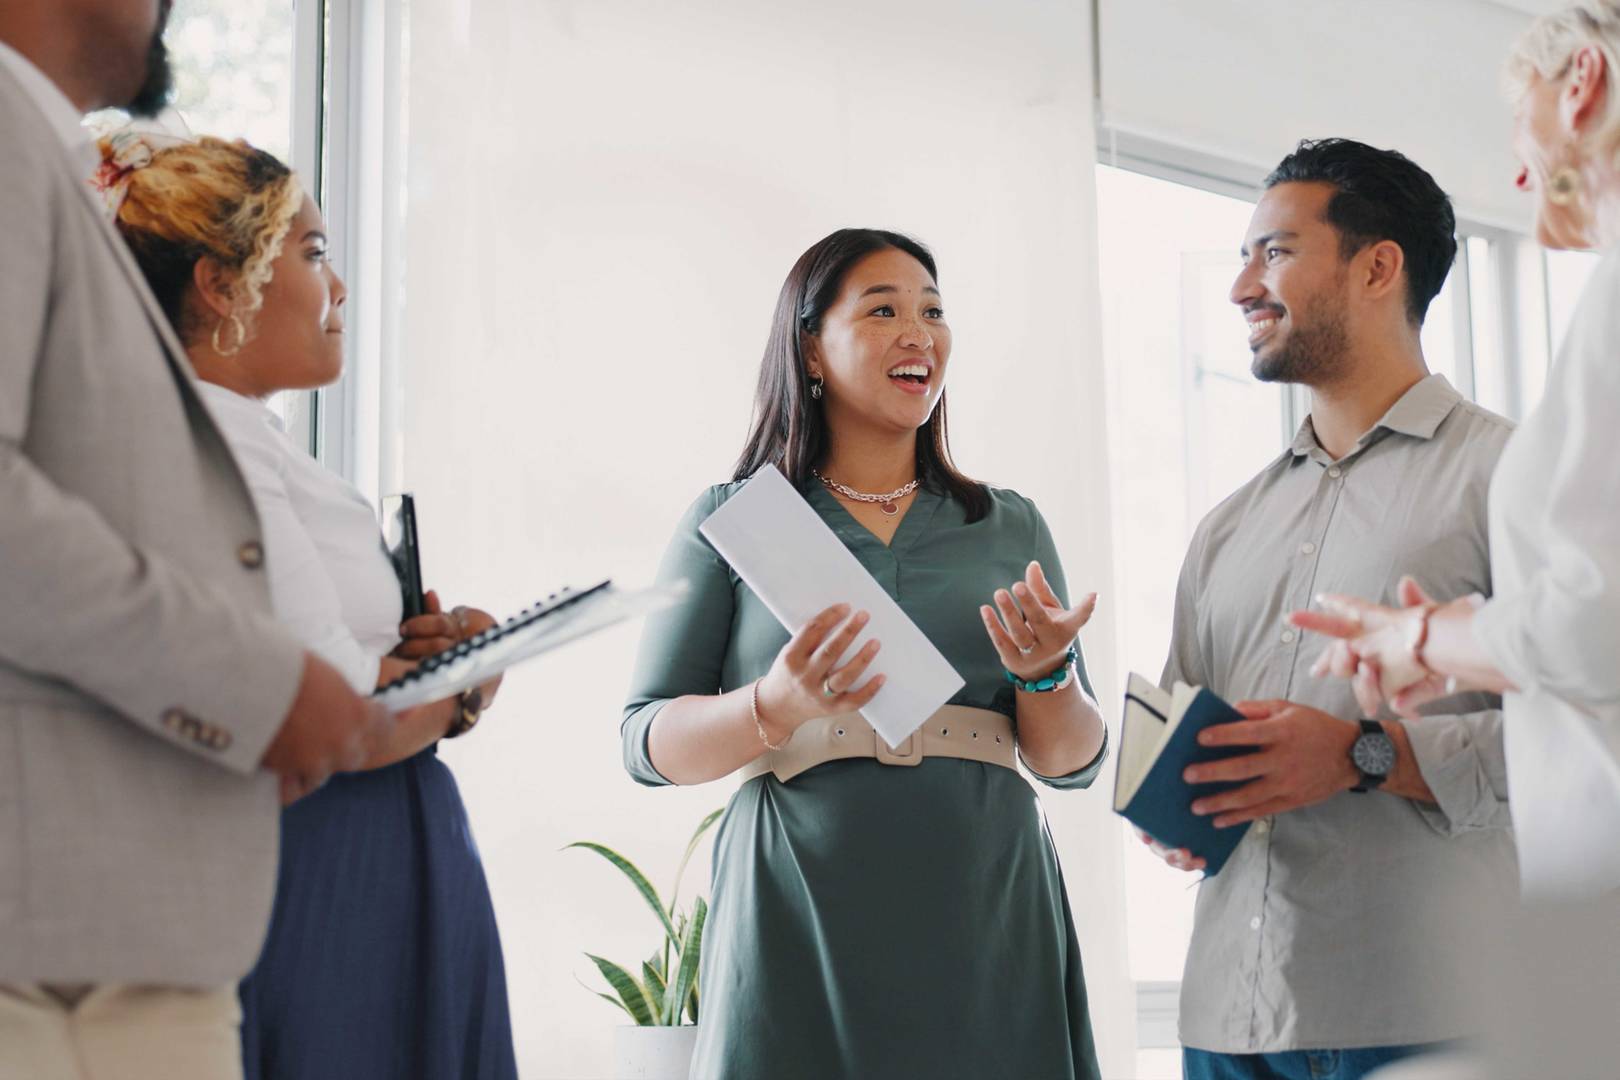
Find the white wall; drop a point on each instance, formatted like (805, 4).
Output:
(600, 201)
(1246, 80)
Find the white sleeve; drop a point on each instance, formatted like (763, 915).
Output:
(302, 592)
(1560, 632)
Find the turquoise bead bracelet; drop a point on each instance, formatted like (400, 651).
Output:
(1055, 681)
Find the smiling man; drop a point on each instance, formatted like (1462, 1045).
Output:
(1327, 944)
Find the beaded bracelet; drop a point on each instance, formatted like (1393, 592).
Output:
(1055, 681)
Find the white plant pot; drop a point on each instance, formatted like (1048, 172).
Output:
(653, 1053)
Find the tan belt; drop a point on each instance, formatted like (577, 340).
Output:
(955, 731)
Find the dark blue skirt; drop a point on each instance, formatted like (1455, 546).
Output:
(383, 961)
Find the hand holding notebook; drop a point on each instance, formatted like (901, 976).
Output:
(559, 618)
(486, 649)
(1159, 741)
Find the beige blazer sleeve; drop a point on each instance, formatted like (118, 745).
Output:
(131, 552)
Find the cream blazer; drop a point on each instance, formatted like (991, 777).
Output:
(141, 677)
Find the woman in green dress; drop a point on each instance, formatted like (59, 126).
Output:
(893, 918)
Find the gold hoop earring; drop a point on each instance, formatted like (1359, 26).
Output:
(1563, 186)
(235, 322)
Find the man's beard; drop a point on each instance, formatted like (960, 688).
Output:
(153, 95)
(1312, 351)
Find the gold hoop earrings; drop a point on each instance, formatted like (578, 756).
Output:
(235, 323)
(1563, 186)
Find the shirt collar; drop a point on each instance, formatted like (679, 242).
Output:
(63, 117)
(248, 410)
(1418, 413)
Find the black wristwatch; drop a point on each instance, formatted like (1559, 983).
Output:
(1373, 755)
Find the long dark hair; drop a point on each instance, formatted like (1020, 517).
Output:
(789, 429)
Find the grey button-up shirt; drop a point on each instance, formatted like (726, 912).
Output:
(1333, 927)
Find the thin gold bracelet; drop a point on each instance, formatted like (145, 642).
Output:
(753, 709)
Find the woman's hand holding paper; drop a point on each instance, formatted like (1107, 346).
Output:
(806, 681)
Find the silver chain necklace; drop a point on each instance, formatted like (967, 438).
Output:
(886, 503)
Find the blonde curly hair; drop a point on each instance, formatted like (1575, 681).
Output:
(210, 198)
(1547, 48)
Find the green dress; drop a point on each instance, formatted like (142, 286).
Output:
(868, 920)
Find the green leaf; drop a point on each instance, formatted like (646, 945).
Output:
(658, 961)
(615, 1002)
(691, 846)
(686, 976)
(637, 878)
(609, 998)
(654, 984)
(629, 991)
(692, 1003)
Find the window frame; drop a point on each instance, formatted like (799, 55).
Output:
(307, 117)
(328, 54)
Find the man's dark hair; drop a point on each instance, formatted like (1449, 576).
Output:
(1381, 195)
(158, 86)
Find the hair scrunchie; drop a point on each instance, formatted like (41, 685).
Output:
(125, 150)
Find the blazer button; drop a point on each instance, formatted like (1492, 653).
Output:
(251, 554)
(175, 720)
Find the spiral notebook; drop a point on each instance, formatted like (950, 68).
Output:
(564, 616)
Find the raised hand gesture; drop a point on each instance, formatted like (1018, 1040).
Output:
(1032, 635)
(1375, 649)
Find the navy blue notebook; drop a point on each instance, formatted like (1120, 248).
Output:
(1159, 740)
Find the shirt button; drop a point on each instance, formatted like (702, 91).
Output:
(1254, 923)
(1335, 472)
(1262, 826)
(1287, 637)
(1306, 548)
(251, 554)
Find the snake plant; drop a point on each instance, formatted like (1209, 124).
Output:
(666, 987)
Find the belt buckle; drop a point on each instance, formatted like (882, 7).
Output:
(910, 752)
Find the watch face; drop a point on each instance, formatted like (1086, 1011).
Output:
(1374, 754)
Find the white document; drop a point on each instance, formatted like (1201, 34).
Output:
(799, 568)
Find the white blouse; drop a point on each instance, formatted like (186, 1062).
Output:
(331, 582)
(1553, 626)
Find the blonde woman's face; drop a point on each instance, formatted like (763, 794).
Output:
(297, 338)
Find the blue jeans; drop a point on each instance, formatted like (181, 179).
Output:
(1296, 1064)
